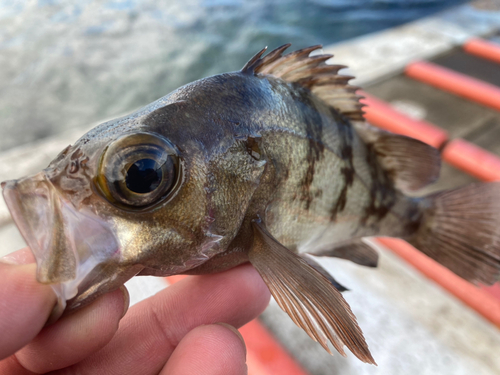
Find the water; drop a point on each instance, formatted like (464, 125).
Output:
(70, 64)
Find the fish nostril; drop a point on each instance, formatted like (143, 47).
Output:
(74, 167)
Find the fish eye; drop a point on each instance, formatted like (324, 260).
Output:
(144, 176)
(138, 170)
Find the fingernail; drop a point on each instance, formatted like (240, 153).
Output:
(236, 332)
(9, 259)
(23, 256)
(126, 300)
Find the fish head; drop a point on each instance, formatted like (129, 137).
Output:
(146, 200)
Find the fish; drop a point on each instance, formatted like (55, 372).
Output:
(272, 164)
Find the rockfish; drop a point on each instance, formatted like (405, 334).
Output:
(264, 165)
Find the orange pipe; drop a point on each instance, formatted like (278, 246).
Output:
(484, 303)
(385, 117)
(472, 159)
(484, 49)
(456, 83)
(494, 290)
(265, 356)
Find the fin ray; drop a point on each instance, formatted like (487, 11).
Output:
(307, 296)
(309, 71)
(461, 230)
(410, 163)
(354, 250)
(309, 260)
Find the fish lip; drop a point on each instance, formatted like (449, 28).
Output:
(17, 207)
(68, 243)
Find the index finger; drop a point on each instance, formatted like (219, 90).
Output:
(152, 329)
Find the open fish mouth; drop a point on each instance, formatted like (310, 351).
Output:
(67, 243)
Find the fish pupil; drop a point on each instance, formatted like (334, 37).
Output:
(144, 176)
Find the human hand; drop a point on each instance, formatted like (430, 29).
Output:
(172, 332)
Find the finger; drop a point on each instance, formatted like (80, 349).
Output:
(153, 328)
(23, 256)
(25, 306)
(209, 350)
(76, 336)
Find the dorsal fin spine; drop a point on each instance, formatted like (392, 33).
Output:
(275, 54)
(250, 65)
(313, 73)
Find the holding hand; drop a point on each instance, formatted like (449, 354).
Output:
(187, 328)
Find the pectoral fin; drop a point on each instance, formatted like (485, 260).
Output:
(307, 296)
(354, 250)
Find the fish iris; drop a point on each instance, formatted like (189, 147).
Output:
(144, 176)
(138, 170)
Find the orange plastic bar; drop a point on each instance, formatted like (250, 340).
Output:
(472, 159)
(456, 83)
(385, 117)
(483, 302)
(265, 355)
(494, 290)
(484, 49)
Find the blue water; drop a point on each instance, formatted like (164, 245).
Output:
(66, 64)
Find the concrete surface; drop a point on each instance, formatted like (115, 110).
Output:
(459, 117)
(379, 55)
(459, 60)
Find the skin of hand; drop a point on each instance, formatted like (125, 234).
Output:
(187, 328)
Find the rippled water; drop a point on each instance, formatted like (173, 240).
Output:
(67, 64)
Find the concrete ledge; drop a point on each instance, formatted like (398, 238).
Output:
(376, 56)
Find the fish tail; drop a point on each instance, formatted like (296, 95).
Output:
(460, 229)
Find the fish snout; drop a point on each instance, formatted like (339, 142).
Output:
(68, 243)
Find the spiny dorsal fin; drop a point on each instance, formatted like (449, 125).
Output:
(313, 73)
